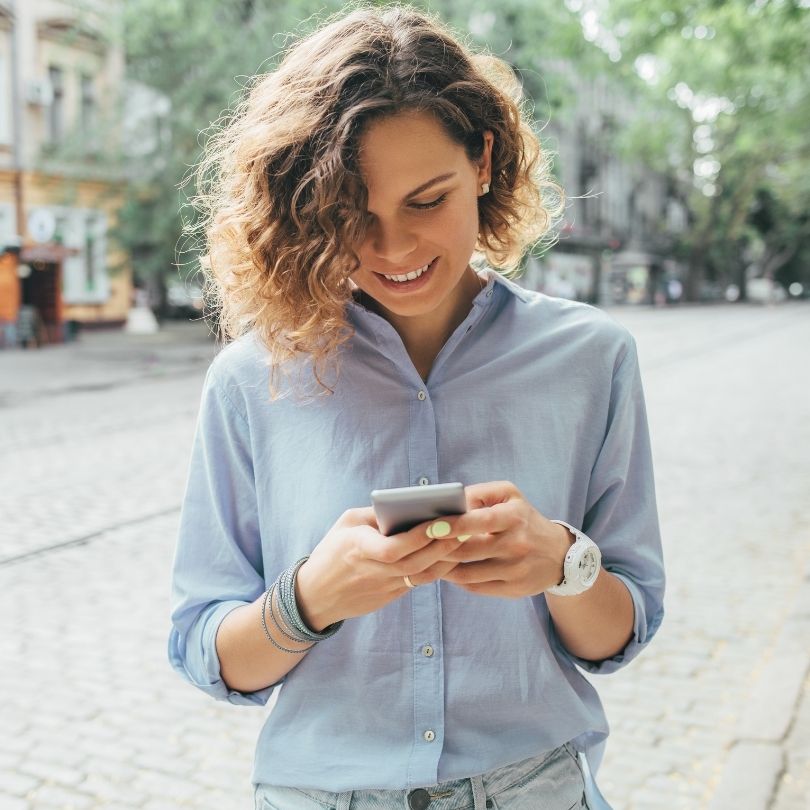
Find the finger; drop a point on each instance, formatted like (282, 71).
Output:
(494, 588)
(431, 573)
(435, 571)
(490, 493)
(478, 548)
(358, 516)
(485, 571)
(396, 547)
(375, 547)
(485, 520)
(437, 551)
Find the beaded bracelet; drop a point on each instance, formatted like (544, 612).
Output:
(284, 589)
(288, 607)
(288, 631)
(268, 598)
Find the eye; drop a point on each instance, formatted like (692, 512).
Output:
(432, 204)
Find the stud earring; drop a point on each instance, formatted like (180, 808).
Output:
(485, 188)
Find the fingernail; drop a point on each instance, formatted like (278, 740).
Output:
(441, 528)
(462, 538)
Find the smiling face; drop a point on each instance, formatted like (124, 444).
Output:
(423, 217)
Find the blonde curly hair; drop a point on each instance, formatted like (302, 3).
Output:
(281, 195)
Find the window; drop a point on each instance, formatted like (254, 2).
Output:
(56, 117)
(88, 113)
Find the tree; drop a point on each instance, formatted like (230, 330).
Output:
(737, 75)
(199, 55)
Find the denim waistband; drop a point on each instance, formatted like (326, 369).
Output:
(459, 794)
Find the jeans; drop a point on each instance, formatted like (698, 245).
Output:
(551, 781)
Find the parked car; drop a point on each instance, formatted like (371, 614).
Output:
(184, 299)
(765, 291)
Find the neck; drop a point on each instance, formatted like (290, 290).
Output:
(424, 336)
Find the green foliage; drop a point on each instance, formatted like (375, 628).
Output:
(201, 55)
(741, 69)
(738, 68)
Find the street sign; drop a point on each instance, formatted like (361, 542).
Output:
(41, 225)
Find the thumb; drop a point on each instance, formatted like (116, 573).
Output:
(490, 493)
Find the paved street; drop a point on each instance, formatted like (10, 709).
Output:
(94, 446)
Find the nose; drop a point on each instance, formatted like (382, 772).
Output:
(391, 242)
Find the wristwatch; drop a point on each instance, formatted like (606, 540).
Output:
(581, 566)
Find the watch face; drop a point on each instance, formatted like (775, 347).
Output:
(588, 567)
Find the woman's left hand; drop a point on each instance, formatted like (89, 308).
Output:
(513, 550)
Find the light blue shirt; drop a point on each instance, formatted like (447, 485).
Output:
(440, 684)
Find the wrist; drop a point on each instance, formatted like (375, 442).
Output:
(564, 539)
(316, 615)
(581, 564)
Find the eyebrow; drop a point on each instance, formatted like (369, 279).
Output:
(429, 183)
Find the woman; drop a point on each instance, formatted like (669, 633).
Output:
(439, 665)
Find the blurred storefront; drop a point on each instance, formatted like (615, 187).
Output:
(621, 217)
(60, 77)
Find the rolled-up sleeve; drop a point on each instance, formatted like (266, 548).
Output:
(218, 559)
(621, 515)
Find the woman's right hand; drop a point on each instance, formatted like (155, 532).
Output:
(356, 570)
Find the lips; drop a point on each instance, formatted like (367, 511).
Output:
(410, 285)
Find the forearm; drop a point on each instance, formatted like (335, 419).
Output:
(597, 624)
(248, 660)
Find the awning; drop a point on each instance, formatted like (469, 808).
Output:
(50, 252)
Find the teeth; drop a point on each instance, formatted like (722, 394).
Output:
(409, 276)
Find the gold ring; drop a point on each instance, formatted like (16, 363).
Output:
(408, 582)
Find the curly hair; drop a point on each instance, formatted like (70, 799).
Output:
(281, 195)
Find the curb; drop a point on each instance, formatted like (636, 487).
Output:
(756, 762)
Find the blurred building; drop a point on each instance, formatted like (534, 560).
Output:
(61, 67)
(621, 217)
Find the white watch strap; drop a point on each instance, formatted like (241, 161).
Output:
(572, 584)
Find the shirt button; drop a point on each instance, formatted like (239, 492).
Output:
(489, 293)
(423, 482)
(427, 651)
(422, 395)
(430, 735)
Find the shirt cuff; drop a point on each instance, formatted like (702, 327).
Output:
(643, 632)
(195, 658)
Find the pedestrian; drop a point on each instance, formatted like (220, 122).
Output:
(344, 205)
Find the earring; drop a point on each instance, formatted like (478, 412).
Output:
(485, 188)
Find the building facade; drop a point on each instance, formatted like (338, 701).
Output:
(620, 216)
(61, 181)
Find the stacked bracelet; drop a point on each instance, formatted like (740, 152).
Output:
(268, 602)
(297, 630)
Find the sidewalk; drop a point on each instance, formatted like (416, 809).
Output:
(794, 787)
(104, 359)
(769, 760)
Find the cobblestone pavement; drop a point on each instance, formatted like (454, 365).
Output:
(94, 443)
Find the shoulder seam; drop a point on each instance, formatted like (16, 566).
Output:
(221, 388)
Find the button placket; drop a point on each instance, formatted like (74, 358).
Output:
(428, 684)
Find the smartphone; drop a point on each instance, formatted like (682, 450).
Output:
(400, 509)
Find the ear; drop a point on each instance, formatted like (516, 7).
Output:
(485, 161)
